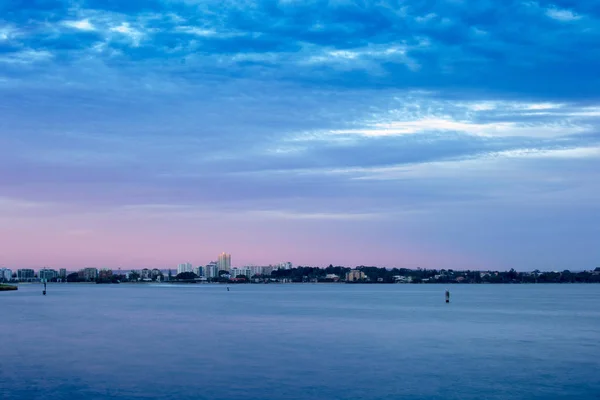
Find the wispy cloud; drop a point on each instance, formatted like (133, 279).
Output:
(84, 25)
(562, 15)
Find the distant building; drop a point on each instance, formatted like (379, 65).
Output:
(62, 273)
(355, 275)
(245, 271)
(332, 277)
(268, 270)
(146, 274)
(224, 262)
(256, 270)
(47, 274)
(156, 274)
(211, 270)
(185, 267)
(106, 274)
(5, 275)
(88, 274)
(285, 265)
(25, 274)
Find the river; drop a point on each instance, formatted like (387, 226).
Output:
(300, 341)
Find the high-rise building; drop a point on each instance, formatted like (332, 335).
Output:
(25, 274)
(211, 270)
(185, 267)
(5, 275)
(224, 262)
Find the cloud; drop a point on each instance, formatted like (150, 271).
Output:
(126, 30)
(562, 15)
(26, 56)
(83, 25)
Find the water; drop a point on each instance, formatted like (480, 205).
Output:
(300, 342)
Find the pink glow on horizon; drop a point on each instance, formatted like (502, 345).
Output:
(137, 243)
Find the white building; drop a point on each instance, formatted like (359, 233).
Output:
(285, 265)
(235, 272)
(186, 267)
(5, 274)
(256, 270)
(224, 262)
(211, 270)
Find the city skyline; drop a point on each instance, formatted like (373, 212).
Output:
(461, 135)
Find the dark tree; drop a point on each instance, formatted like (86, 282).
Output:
(186, 276)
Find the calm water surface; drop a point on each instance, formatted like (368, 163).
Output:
(300, 342)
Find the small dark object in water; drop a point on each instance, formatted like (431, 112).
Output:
(44, 292)
(447, 296)
(228, 288)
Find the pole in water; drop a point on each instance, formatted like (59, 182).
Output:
(44, 292)
(447, 296)
(228, 288)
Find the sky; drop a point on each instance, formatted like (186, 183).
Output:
(434, 134)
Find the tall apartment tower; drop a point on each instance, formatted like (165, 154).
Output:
(224, 262)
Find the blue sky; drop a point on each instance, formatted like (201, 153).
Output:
(452, 134)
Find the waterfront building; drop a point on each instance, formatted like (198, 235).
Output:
(224, 262)
(25, 274)
(211, 270)
(88, 274)
(62, 273)
(235, 272)
(355, 275)
(185, 267)
(47, 274)
(5, 275)
(199, 270)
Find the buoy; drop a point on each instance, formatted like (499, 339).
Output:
(447, 296)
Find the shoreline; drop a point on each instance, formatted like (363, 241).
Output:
(7, 288)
